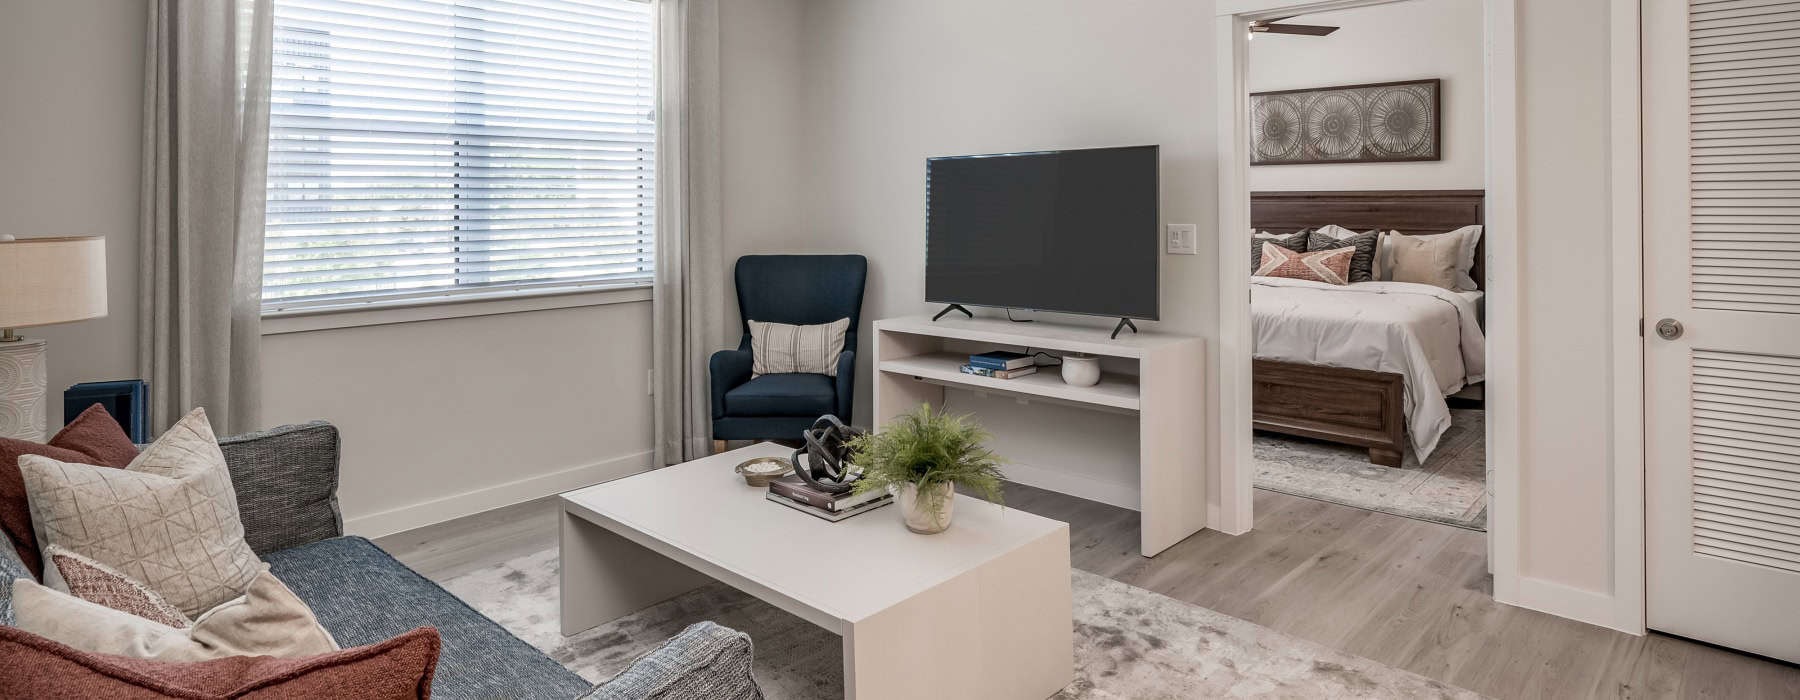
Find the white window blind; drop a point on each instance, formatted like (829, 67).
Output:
(425, 148)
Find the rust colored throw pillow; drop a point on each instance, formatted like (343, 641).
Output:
(1328, 266)
(397, 668)
(92, 438)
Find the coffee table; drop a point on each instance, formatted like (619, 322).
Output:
(981, 610)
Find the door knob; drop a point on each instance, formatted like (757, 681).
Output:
(1668, 329)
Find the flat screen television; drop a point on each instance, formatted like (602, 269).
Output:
(1070, 231)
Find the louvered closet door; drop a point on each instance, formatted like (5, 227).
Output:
(1722, 259)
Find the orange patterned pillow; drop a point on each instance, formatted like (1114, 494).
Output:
(1328, 266)
(98, 583)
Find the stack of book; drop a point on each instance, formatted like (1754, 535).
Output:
(790, 491)
(1000, 364)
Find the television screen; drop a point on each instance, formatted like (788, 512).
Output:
(1070, 231)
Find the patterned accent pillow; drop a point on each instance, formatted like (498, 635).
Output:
(92, 438)
(169, 520)
(1295, 241)
(1362, 263)
(1328, 266)
(780, 348)
(98, 583)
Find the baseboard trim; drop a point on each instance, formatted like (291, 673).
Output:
(444, 508)
(1577, 604)
(1061, 481)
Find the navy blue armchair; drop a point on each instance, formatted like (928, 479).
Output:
(799, 290)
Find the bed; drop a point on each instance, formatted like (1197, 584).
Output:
(1334, 363)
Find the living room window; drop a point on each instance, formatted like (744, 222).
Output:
(432, 149)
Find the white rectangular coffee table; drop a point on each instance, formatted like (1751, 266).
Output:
(979, 611)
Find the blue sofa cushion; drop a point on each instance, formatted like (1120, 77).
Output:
(363, 596)
(807, 395)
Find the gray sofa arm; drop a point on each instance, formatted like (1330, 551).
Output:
(704, 662)
(286, 480)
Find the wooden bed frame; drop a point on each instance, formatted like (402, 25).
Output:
(1338, 404)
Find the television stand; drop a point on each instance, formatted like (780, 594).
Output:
(950, 308)
(1123, 324)
(1157, 377)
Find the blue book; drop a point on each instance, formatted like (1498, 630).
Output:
(1001, 359)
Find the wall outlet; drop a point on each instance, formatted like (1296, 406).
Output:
(1183, 239)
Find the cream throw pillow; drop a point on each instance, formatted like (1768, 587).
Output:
(168, 520)
(267, 620)
(1441, 260)
(780, 348)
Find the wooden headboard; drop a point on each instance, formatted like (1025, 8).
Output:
(1411, 212)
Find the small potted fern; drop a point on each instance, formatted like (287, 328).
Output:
(921, 457)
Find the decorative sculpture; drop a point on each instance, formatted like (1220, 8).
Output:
(827, 466)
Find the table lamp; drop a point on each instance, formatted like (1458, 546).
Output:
(42, 281)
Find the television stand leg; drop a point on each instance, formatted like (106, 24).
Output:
(950, 308)
(1123, 324)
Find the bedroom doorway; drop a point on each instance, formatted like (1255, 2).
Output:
(1366, 347)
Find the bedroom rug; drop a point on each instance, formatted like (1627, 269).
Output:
(1129, 642)
(1450, 488)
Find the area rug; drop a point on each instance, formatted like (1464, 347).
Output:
(1450, 488)
(1129, 642)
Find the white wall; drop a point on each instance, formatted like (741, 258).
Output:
(71, 115)
(1411, 40)
(889, 83)
(450, 417)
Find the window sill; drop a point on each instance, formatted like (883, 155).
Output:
(380, 313)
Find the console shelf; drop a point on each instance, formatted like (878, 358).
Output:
(916, 359)
(1114, 390)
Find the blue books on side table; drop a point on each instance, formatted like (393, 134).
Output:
(128, 401)
(1001, 359)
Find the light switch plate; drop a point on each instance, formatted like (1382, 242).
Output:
(1183, 239)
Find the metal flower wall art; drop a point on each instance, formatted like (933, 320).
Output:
(1373, 123)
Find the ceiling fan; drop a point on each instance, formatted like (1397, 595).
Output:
(1270, 26)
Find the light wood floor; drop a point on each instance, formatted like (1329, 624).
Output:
(1403, 592)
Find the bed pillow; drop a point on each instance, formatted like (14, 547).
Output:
(780, 348)
(92, 438)
(1295, 241)
(1429, 260)
(1362, 262)
(1328, 266)
(1464, 240)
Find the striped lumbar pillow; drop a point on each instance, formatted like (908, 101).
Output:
(780, 348)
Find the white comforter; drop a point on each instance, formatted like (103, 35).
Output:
(1427, 334)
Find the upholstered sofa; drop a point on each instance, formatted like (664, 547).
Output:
(286, 481)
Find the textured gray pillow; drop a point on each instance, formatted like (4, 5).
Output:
(780, 348)
(1362, 262)
(704, 662)
(286, 481)
(1295, 241)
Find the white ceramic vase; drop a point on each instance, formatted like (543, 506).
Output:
(1080, 370)
(917, 517)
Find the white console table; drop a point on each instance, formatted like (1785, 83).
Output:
(913, 365)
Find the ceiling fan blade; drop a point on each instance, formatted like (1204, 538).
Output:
(1300, 29)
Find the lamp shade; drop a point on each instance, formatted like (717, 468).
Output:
(52, 280)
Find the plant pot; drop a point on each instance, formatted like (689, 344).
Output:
(917, 517)
(1080, 370)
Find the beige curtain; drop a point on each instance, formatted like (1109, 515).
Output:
(206, 130)
(689, 294)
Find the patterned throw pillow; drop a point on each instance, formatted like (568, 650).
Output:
(1362, 263)
(1328, 266)
(92, 438)
(1295, 241)
(98, 583)
(780, 348)
(169, 520)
